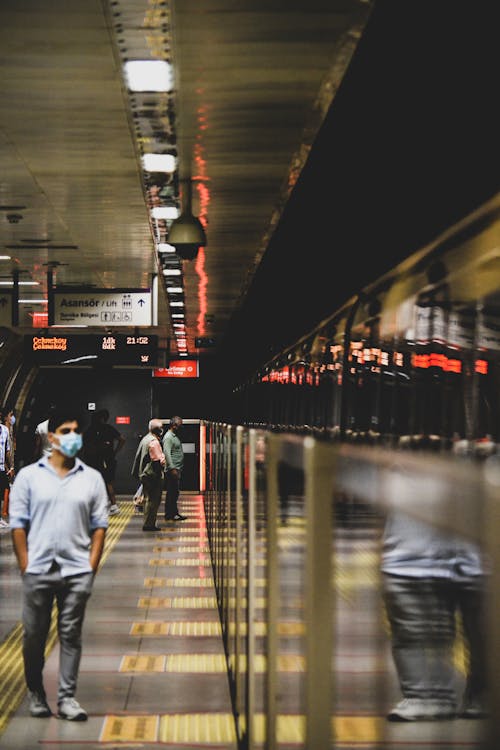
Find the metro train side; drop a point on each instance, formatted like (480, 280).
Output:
(412, 361)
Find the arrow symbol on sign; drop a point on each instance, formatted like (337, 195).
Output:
(141, 302)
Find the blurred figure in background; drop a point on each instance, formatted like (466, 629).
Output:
(101, 443)
(432, 581)
(6, 465)
(43, 445)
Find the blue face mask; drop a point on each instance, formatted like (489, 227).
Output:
(70, 444)
(13, 420)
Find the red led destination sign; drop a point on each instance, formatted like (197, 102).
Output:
(179, 368)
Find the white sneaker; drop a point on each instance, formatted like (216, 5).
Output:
(70, 709)
(4, 524)
(113, 510)
(420, 709)
(38, 707)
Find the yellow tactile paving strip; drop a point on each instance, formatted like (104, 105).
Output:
(130, 729)
(178, 602)
(184, 538)
(183, 629)
(147, 663)
(204, 663)
(178, 582)
(11, 660)
(289, 629)
(183, 562)
(218, 728)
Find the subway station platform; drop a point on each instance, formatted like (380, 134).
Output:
(154, 670)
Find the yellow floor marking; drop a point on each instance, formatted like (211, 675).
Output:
(130, 728)
(179, 582)
(184, 538)
(363, 729)
(198, 663)
(178, 549)
(181, 562)
(291, 663)
(178, 602)
(219, 728)
(197, 728)
(148, 663)
(177, 628)
(282, 628)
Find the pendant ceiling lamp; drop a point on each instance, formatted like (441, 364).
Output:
(186, 232)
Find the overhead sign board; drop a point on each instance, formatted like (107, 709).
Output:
(86, 350)
(178, 368)
(102, 307)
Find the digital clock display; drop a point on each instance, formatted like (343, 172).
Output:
(86, 350)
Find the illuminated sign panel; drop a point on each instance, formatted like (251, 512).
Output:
(179, 368)
(87, 349)
(102, 307)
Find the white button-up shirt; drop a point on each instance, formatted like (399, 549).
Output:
(59, 513)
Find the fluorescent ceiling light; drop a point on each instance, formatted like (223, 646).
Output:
(32, 301)
(177, 315)
(4, 257)
(159, 162)
(148, 75)
(165, 212)
(175, 289)
(21, 283)
(171, 271)
(177, 304)
(164, 247)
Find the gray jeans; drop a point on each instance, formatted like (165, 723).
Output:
(71, 594)
(422, 615)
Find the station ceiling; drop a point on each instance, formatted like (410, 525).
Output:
(323, 140)
(251, 83)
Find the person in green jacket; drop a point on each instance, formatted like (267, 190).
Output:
(174, 463)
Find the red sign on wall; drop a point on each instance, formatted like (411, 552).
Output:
(179, 368)
(122, 420)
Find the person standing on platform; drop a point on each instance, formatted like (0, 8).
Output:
(148, 466)
(101, 443)
(43, 446)
(58, 517)
(6, 469)
(174, 456)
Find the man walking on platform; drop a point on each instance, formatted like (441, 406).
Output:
(59, 519)
(174, 456)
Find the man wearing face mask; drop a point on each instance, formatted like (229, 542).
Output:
(58, 516)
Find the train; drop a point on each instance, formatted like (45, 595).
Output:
(412, 360)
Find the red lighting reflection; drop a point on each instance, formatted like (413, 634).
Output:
(200, 179)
